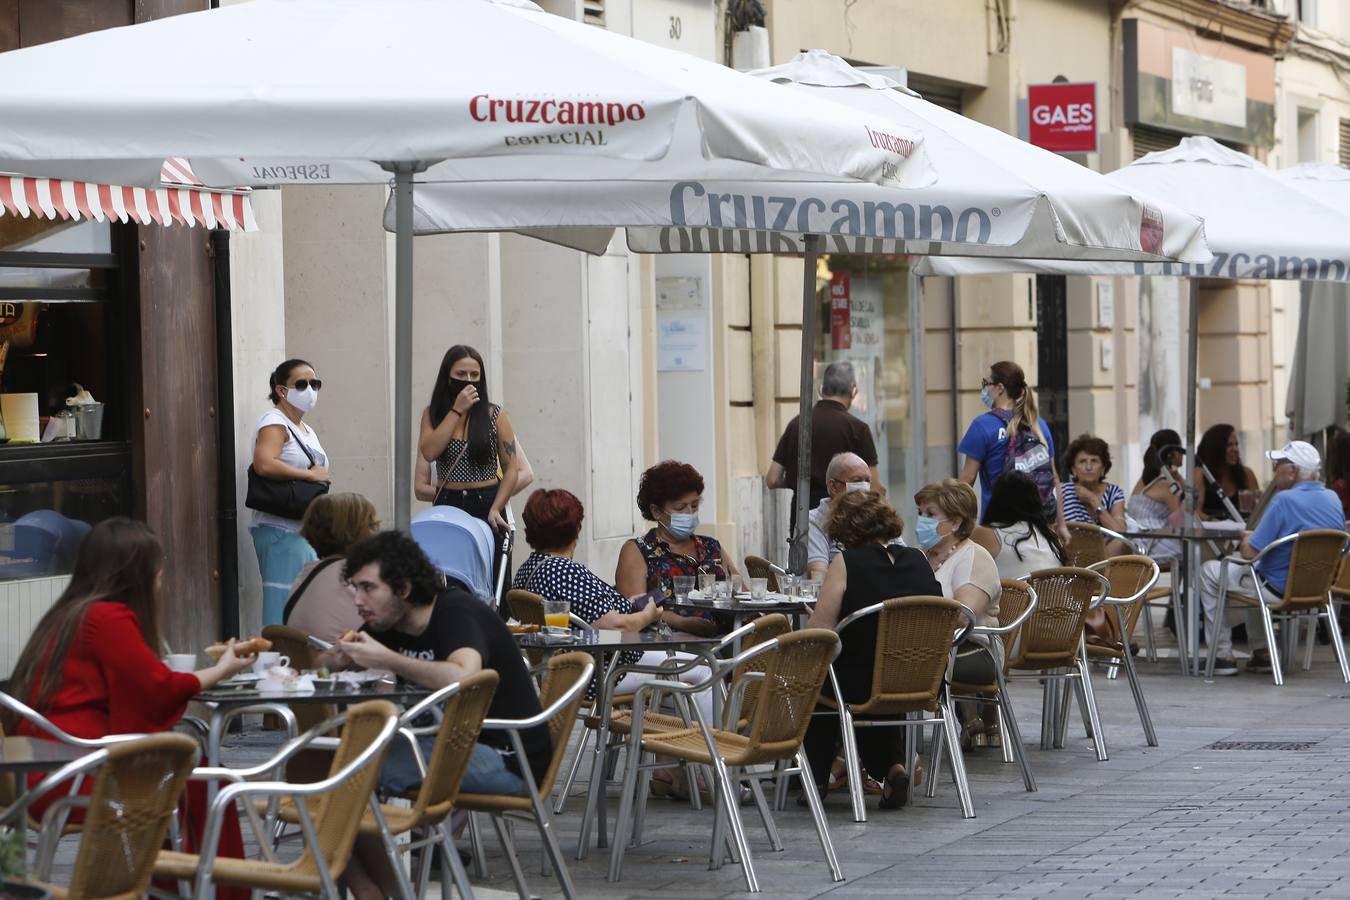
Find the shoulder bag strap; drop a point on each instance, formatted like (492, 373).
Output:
(295, 594)
(449, 470)
(303, 446)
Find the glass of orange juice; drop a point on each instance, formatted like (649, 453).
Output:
(556, 614)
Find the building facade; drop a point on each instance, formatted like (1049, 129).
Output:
(574, 343)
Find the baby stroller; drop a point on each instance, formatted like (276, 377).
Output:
(462, 547)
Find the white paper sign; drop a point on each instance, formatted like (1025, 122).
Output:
(681, 341)
(1106, 304)
(20, 412)
(1207, 88)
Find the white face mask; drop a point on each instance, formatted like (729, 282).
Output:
(304, 400)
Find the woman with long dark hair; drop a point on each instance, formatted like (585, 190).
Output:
(285, 448)
(92, 666)
(1220, 452)
(1027, 539)
(470, 440)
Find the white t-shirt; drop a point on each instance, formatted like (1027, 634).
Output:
(1036, 551)
(972, 564)
(291, 455)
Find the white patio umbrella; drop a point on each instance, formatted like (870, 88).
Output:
(994, 196)
(1317, 385)
(343, 91)
(1257, 226)
(1255, 223)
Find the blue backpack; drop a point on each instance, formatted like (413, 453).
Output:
(1028, 454)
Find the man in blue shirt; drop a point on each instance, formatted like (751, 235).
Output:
(1301, 504)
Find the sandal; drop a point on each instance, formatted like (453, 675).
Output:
(670, 783)
(895, 793)
(839, 779)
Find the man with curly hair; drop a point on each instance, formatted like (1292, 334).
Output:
(434, 634)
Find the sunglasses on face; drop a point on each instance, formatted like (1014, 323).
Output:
(302, 383)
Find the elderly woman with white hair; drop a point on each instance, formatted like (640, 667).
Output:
(1300, 504)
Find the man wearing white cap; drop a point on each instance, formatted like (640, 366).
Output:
(1300, 504)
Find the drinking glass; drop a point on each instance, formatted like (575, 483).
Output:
(557, 614)
(723, 589)
(759, 588)
(808, 591)
(1246, 502)
(707, 583)
(683, 585)
(788, 583)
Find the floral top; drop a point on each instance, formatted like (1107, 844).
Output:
(559, 578)
(664, 564)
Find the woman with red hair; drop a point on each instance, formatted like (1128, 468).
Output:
(670, 494)
(552, 529)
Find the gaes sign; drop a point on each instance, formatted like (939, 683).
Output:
(1064, 116)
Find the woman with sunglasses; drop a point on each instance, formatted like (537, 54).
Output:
(285, 448)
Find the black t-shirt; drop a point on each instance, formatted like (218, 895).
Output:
(459, 619)
(833, 430)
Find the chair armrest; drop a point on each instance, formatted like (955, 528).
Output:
(37, 720)
(436, 699)
(1014, 624)
(70, 770)
(540, 718)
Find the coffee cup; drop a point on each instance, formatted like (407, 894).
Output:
(181, 662)
(269, 659)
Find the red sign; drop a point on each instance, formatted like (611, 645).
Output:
(1063, 117)
(841, 335)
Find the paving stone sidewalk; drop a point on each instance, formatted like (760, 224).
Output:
(1175, 820)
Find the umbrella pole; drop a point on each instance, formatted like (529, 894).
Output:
(1192, 387)
(403, 314)
(802, 500)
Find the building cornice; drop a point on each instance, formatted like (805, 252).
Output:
(1232, 21)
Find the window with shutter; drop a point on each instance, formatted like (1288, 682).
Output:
(1150, 140)
(1343, 147)
(946, 94)
(593, 12)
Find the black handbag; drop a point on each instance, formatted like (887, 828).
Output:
(284, 497)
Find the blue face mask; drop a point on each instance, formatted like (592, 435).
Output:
(926, 532)
(985, 397)
(682, 525)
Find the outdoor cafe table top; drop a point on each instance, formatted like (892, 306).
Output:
(775, 603)
(25, 754)
(1186, 534)
(607, 641)
(376, 690)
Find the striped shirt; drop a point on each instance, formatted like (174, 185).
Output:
(1075, 511)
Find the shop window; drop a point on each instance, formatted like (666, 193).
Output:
(64, 460)
(864, 319)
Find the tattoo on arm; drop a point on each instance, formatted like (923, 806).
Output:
(509, 449)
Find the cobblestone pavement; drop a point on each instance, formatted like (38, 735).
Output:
(1172, 820)
(1175, 820)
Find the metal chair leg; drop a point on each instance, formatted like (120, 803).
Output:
(476, 846)
(1005, 748)
(1061, 712)
(1085, 676)
(559, 804)
(1150, 645)
(624, 820)
(1012, 732)
(1047, 713)
(1179, 621)
(552, 852)
(1337, 642)
(1146, 720)
(958, 764)
(822, 827)
(765, 816)
(450, 862)
(729, 798)
(522, 889)
(1220, 621)
(935, 757)
(852, 763)
(1268, 623)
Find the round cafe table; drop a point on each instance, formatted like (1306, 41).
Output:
(607, 645)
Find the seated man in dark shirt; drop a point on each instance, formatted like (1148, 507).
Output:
(435, 635)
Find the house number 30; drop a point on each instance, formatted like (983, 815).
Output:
(676, 28)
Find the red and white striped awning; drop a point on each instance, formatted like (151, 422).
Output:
(181, 199)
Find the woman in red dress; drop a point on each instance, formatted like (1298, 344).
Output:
(92, 666)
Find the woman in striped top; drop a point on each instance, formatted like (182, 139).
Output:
(1087, 496)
